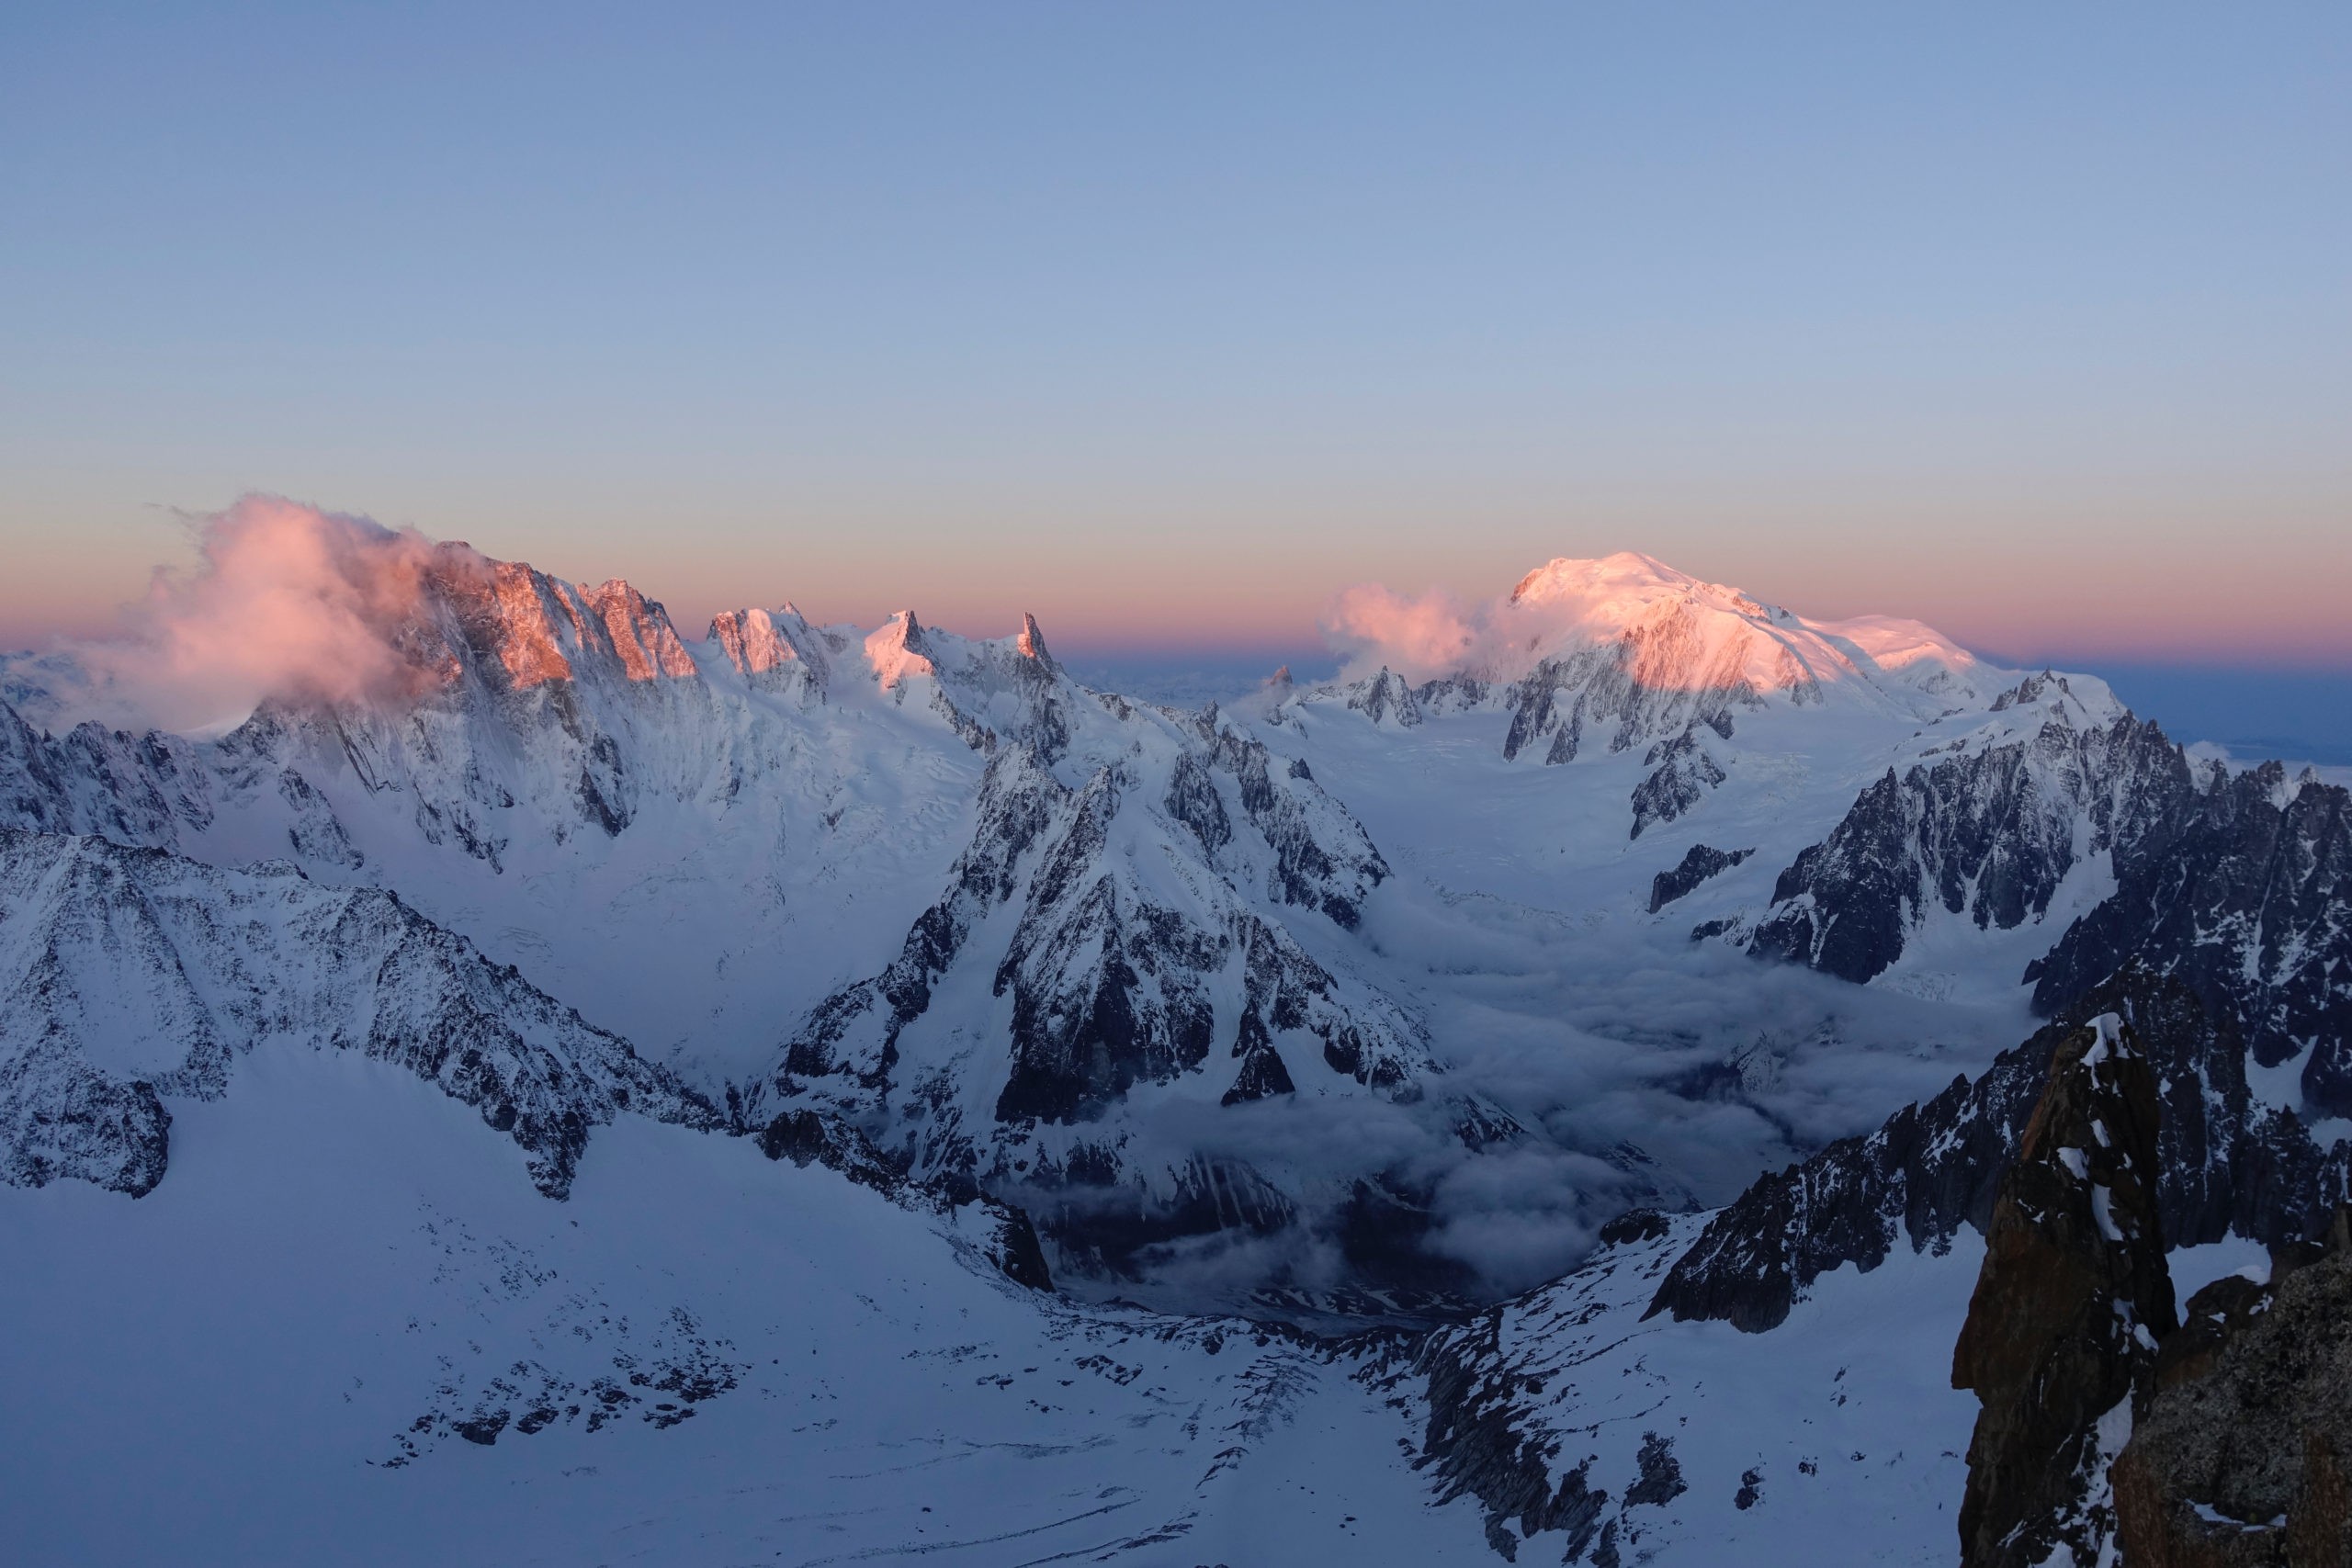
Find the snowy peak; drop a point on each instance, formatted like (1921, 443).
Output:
(1030, 643)
(1659, 630)
(1676, 633)
(640, 631)
(987, 689)
(771, 649)
(1902, 649)
(524, 628)
(522, 625)
(2075, 702)
(1626, 577)
(898, 649)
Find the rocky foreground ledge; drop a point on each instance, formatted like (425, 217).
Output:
(2216, 1440)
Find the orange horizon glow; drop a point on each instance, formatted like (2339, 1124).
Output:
(1138, 597)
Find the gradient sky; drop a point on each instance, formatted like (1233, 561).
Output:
(1169, 321)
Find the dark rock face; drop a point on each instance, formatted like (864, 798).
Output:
(131, 789)
(1990, 834)
(1104, 1225)
(2247, 894)
(1386, 696)
(999, 1232)
(1658, 1478)
(1697, 866)
(1289, 991)
(2062, 1332)
(1683, 771)
(1473, 1438)
(2244, 1457)
(60, 1117)
(194, 966)
(1107, 995)
(1324, 860)
(1846, 905)
(670, 1366)
(1262, 1072)
(1597, 693)
(1633, 1224)
(1193, 799)
(312, 827)
(2226, 1164)
(1457, 693)
(1010, 1242)
(855, 1031)
(1108, 990)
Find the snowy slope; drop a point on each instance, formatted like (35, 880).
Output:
(1591, 1433)
(128, 976)
(348, 1332)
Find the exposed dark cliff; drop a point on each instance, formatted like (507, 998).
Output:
(2244, 1457)
(2246, 896)
(2073, 1297)
(1987, 834)
(1698, 864)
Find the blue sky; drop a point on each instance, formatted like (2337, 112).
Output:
(1168, 322)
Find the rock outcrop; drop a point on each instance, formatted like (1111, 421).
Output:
(1568, 1458)
(1682, 772)
(1000, 1233)
(2245, 893)
(2244, 1457)
(1987, 834)
(1700, 863)
(1385, 697)
(2228, 1164)
(2062, 1332)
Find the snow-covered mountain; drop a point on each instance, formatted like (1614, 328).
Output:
(129, 974)
(1534, 1009)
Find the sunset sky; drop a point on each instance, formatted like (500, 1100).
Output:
(1169, 323)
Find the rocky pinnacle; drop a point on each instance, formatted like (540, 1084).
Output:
(2062, 1332)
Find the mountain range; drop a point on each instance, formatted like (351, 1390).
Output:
(561, 1089)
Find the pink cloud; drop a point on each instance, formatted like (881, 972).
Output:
(286, 600)
(1419, 638)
